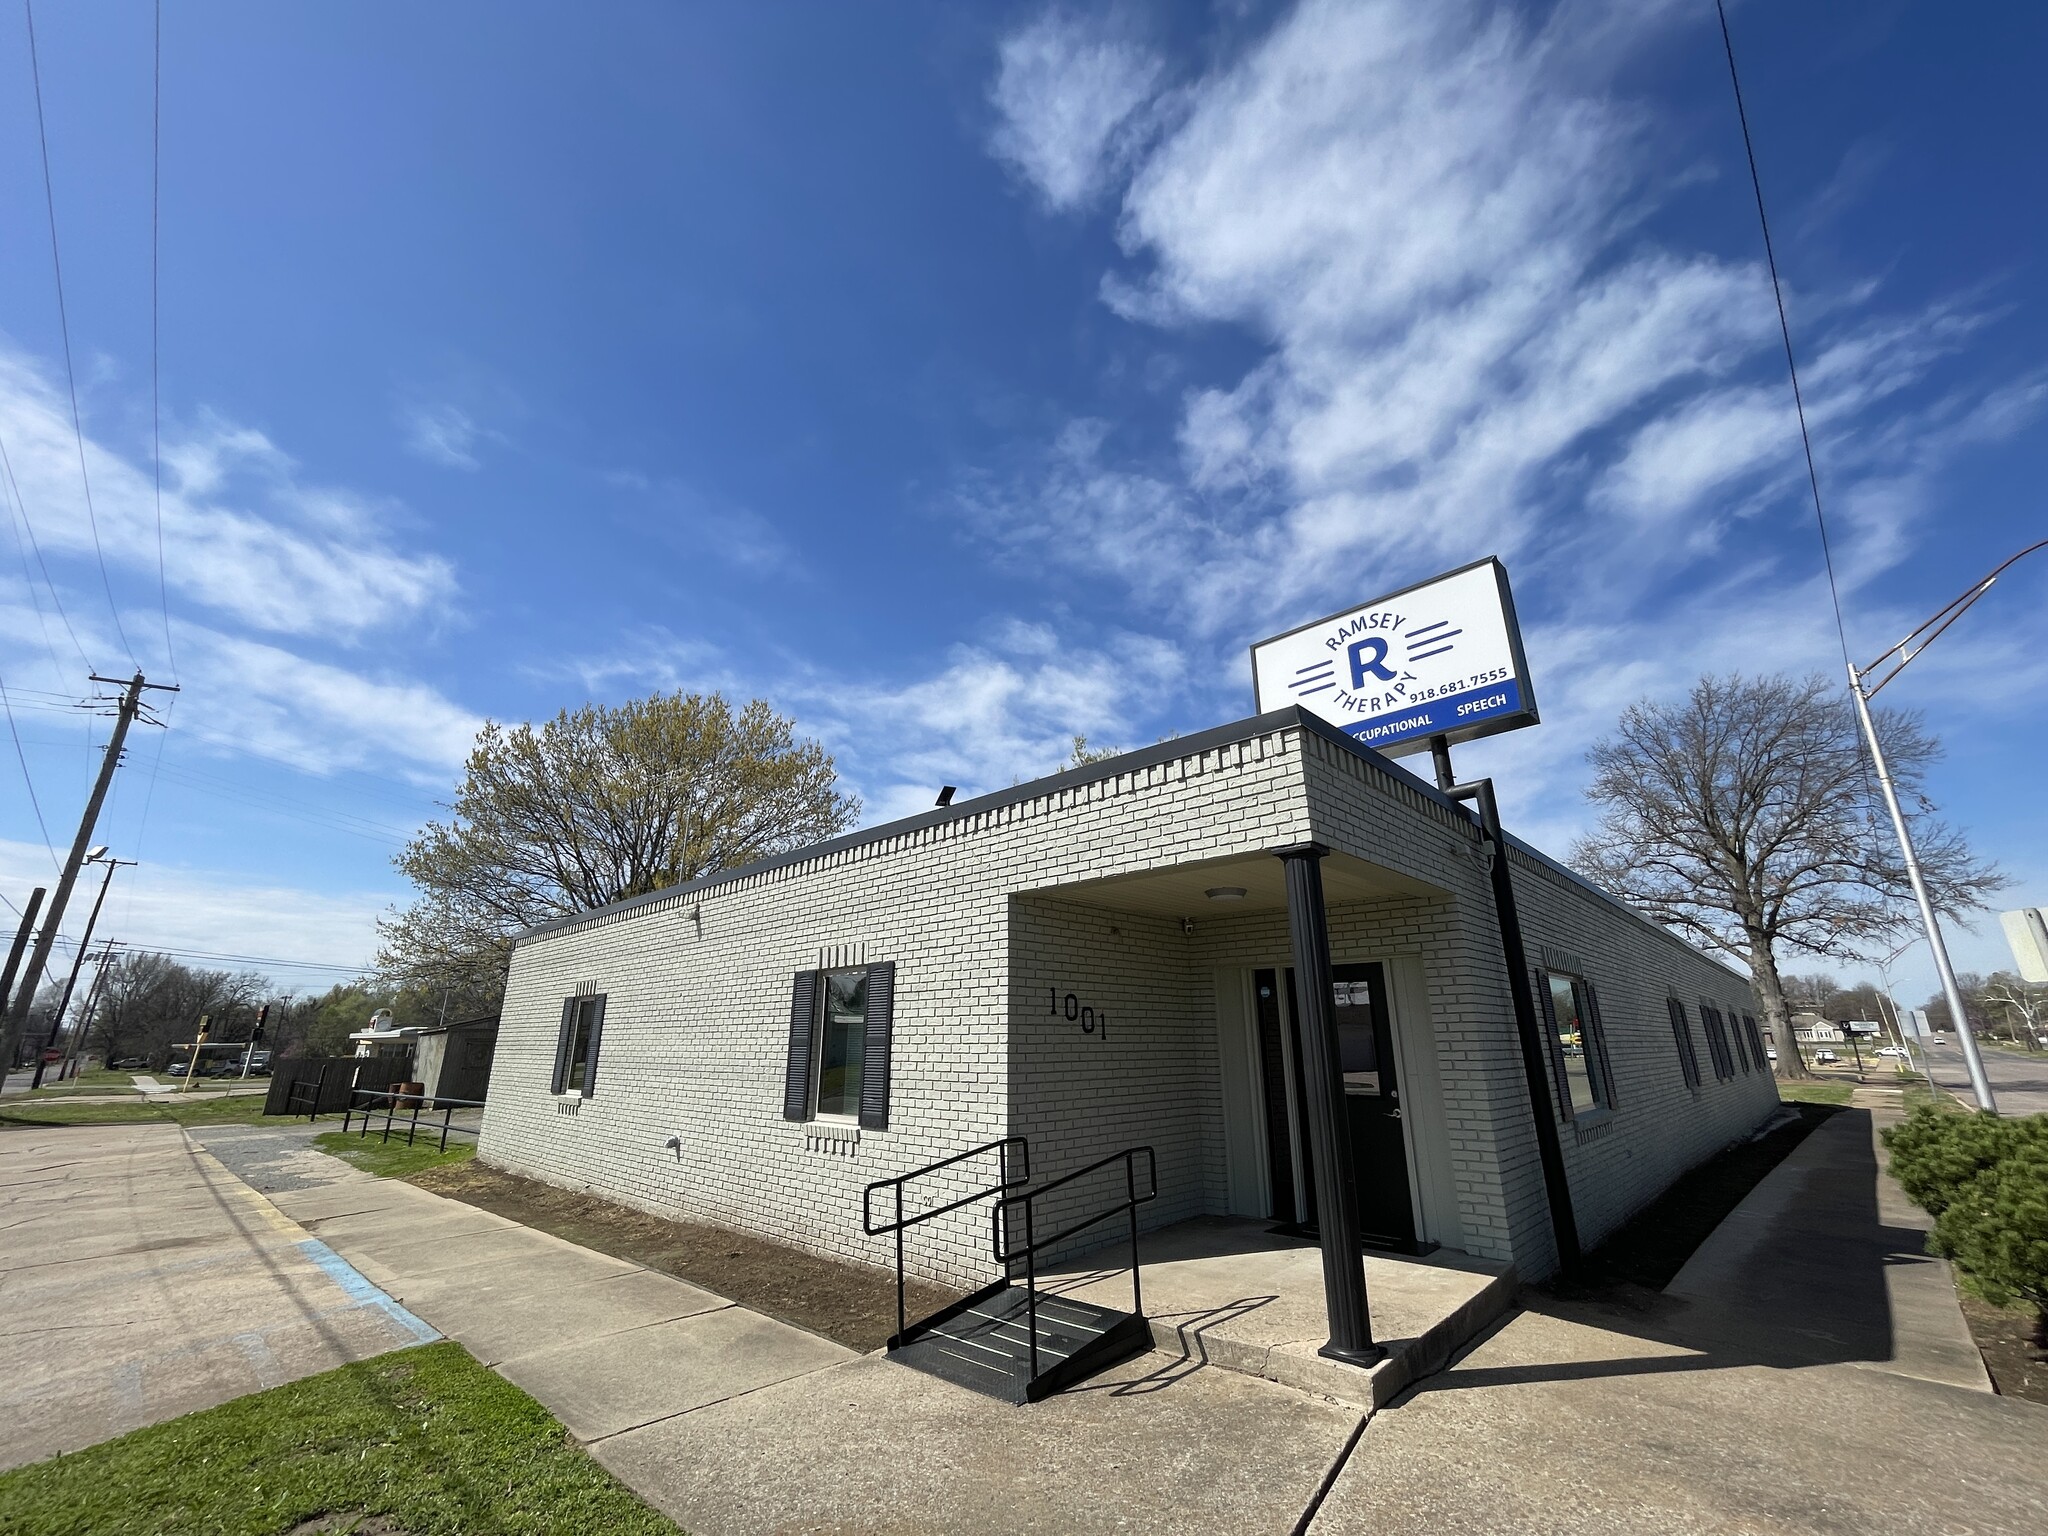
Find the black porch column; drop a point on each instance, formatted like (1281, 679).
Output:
(1329, 1132)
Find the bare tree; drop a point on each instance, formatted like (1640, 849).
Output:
(597, 805)
(2024, 1005)
(1740, 818)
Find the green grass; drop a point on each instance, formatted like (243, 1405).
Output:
(85, 1082)
(426, 1438)
(393, 1159)
(1814, 1093)
(242, 1109)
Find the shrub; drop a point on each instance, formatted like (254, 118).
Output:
(1936, 1152)
(1985, 1181)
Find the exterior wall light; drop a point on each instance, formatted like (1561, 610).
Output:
(1225, 893)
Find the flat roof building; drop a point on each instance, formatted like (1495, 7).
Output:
(1128, 953)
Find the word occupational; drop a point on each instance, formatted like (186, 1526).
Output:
(1091, 1022)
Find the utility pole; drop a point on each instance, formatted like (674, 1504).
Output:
(97, 856)
(28, 926)
(86, 1013)
(129, 706)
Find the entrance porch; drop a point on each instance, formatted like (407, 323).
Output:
(1236, 1294)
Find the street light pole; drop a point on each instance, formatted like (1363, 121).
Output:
(1980, 1085)
(1900, 655)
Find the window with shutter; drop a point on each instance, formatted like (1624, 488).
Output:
(1551, 1024)
(576, 1049)
(841, 1023)
(1578, 1043)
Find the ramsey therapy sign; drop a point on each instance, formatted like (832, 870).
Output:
(1441, 658)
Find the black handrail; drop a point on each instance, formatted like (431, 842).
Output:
(1033, 1244)
(391, 1098)
(1004, 1180)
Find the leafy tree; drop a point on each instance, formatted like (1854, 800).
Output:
(150, 1001)
(1739, 817)
(596, 805)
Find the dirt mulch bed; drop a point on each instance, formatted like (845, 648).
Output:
(847, 1303)
(2014, 1344)
(1651, 1249)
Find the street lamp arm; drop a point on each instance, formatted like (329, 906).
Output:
(1930, 630)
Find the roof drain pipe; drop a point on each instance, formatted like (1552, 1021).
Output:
(1563, 1225)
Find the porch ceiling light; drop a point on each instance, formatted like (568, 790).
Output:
(1225, 893)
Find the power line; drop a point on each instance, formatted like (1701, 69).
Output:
(64, 328)
(7, 464)
(1784, 330)
(156, 441)
(26, 778)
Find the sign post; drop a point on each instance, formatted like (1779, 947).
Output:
(1418, 669)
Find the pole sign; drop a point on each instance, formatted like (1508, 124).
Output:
(1440, 658)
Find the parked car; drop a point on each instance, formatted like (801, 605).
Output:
(175, 1069)
(1825, 1056)
(130, 1064)
(1771, 1051)
(1892, 1050)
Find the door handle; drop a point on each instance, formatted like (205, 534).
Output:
(1393, 1114)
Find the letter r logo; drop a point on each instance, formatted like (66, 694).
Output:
(1369, 655)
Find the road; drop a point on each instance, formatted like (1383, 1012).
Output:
(2020, 1083)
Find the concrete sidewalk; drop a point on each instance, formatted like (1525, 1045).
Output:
(1826, 1261)
(1807, 1371)
(142, 1281)
(732, 1422)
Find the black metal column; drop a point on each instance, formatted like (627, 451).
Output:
(1329, 1135)
(1522, 995)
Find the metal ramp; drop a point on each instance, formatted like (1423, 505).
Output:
(1008, 1340)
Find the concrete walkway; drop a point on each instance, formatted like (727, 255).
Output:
(1807, 1371)
(731, 1422)
(142, 1281)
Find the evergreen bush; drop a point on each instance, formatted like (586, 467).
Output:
(1985, 1181)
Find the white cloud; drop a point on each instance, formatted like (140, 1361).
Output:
(243, 535)
(994, 713)
(165, 906)
(1433, 216)
(246, 695)
(441, 434)
(1067, 89)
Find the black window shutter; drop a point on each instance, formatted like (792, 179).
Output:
(803, 1023)
(1681, 1035)
(874, 1066)
(1756, 1041)
(1598, 1030)
(1562, 1083)
(1741, 1045)
(562, 1044)
(590, 1055)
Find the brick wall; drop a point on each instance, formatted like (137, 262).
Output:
(990, 918)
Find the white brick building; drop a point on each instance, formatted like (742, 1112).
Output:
(1104, 958)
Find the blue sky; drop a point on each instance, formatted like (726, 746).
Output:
(960, 378)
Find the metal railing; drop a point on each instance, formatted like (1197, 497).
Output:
(1034, 1244)
(363, 1102)
(1005, 1180)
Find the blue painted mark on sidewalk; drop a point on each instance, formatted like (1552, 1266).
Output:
(362, 1293)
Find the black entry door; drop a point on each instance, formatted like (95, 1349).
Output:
(1372, 1104)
